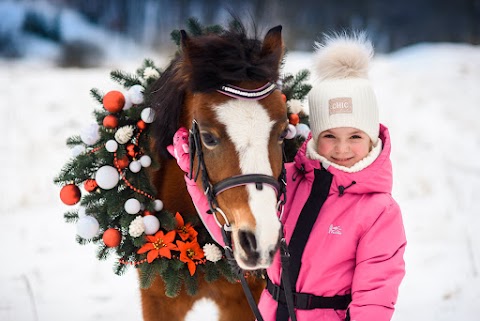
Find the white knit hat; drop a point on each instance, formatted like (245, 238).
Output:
(343, 96)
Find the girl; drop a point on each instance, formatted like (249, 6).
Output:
(339, 194)
(343, 228)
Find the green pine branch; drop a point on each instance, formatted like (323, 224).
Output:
(97, 95)
(125, 79)
(294, 86)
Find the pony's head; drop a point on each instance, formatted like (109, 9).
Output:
(225, 85)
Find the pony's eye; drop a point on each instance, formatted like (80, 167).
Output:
(209, 140)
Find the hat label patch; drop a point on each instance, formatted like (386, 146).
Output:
(341, 105)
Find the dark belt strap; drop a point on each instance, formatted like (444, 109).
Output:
(307, 301)
(308, 216)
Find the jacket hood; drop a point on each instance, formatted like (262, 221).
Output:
(375, 178)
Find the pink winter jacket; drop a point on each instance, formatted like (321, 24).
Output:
(356, 245)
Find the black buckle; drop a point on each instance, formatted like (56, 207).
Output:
(302, 301)
(274, 290)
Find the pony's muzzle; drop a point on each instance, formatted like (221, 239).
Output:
(253, 257)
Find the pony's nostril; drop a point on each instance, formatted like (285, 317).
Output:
(272, 253)
(248, 241)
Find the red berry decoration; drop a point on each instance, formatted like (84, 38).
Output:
(293, 119)
(146, 213)
(122, 162)
(132, 150)
(70, 194)
(112, 237)
(90, 185)
(114, 101)
(141, 124)
(110, 121)
(284, 97)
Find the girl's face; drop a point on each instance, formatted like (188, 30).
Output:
(343, 146)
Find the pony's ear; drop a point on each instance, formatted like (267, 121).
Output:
(273, 44)
(184, 39)
(187, 45)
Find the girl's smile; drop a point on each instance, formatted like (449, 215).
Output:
(343, 146)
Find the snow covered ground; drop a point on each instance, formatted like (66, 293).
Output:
(429, 97)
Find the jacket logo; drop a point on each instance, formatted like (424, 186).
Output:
(341, 105)
(335, 230)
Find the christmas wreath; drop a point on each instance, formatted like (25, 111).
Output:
(107, 179)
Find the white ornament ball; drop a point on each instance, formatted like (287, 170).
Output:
(111, 146)
(132, 206)
(145, 160)
(292, 132)
(81, 211)
(107, 177)
(158, 205)
(90, 134)
(77, 150)
(87, 227)
(135, 166)
(151, 223)
(212, 252)
(128, 102)
(136, 94)
(136, 227)
(303, 130)
(148, 115)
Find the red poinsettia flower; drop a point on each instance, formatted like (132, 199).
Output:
(189, 252)
(186, 231)
(159, 245)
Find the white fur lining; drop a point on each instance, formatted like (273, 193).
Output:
(364, 163)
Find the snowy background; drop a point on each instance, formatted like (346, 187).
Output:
(429, 97)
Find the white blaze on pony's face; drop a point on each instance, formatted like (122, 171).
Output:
(251, 130)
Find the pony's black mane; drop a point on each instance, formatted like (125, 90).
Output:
(227, 59)
(208, 62)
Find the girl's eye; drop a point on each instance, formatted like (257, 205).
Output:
(356, 137)
(209, 140)
(328, 136)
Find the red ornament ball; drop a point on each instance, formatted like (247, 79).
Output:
(284, 98)
(114, 101)
(70, 194)
(132, 150)
(141, 124)
(122, 162)
(90, 185)
(293, 119)
(146, 213)
(110, 121)
(112, 237)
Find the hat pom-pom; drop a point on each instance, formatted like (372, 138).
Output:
(343, 56)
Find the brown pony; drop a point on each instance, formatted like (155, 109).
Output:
(239, 137)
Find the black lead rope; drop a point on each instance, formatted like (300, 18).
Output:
(227, 238)
(285, 257)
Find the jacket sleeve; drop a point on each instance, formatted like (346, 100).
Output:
(201, 205)
(380, 268)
